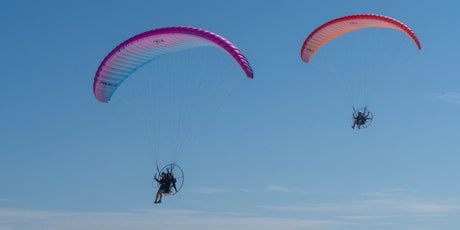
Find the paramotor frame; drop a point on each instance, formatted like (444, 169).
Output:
(177, 173)
(364, 111)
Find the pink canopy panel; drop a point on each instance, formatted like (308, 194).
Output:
(339, 26)
(137, 51)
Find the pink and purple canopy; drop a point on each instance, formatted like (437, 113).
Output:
(135, 52)
(345, 24)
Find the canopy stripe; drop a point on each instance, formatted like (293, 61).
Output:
(140, 49)
(345, 24)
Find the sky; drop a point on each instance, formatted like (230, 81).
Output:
(279, 153)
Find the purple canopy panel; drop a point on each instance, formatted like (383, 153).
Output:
(133, 53)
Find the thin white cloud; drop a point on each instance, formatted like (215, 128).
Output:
(390, 192)
(389, 209)
(420, 228)
(404, 206)
(382, 204)
(429, 208)
(217, 190)
(278, 188)
(19, 219)
(305, 208)
(452, 97)
(210, 190)
(363, 217)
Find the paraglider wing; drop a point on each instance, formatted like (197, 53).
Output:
(137, 51)
(339, 26)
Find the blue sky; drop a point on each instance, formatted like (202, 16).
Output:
(279, 154)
